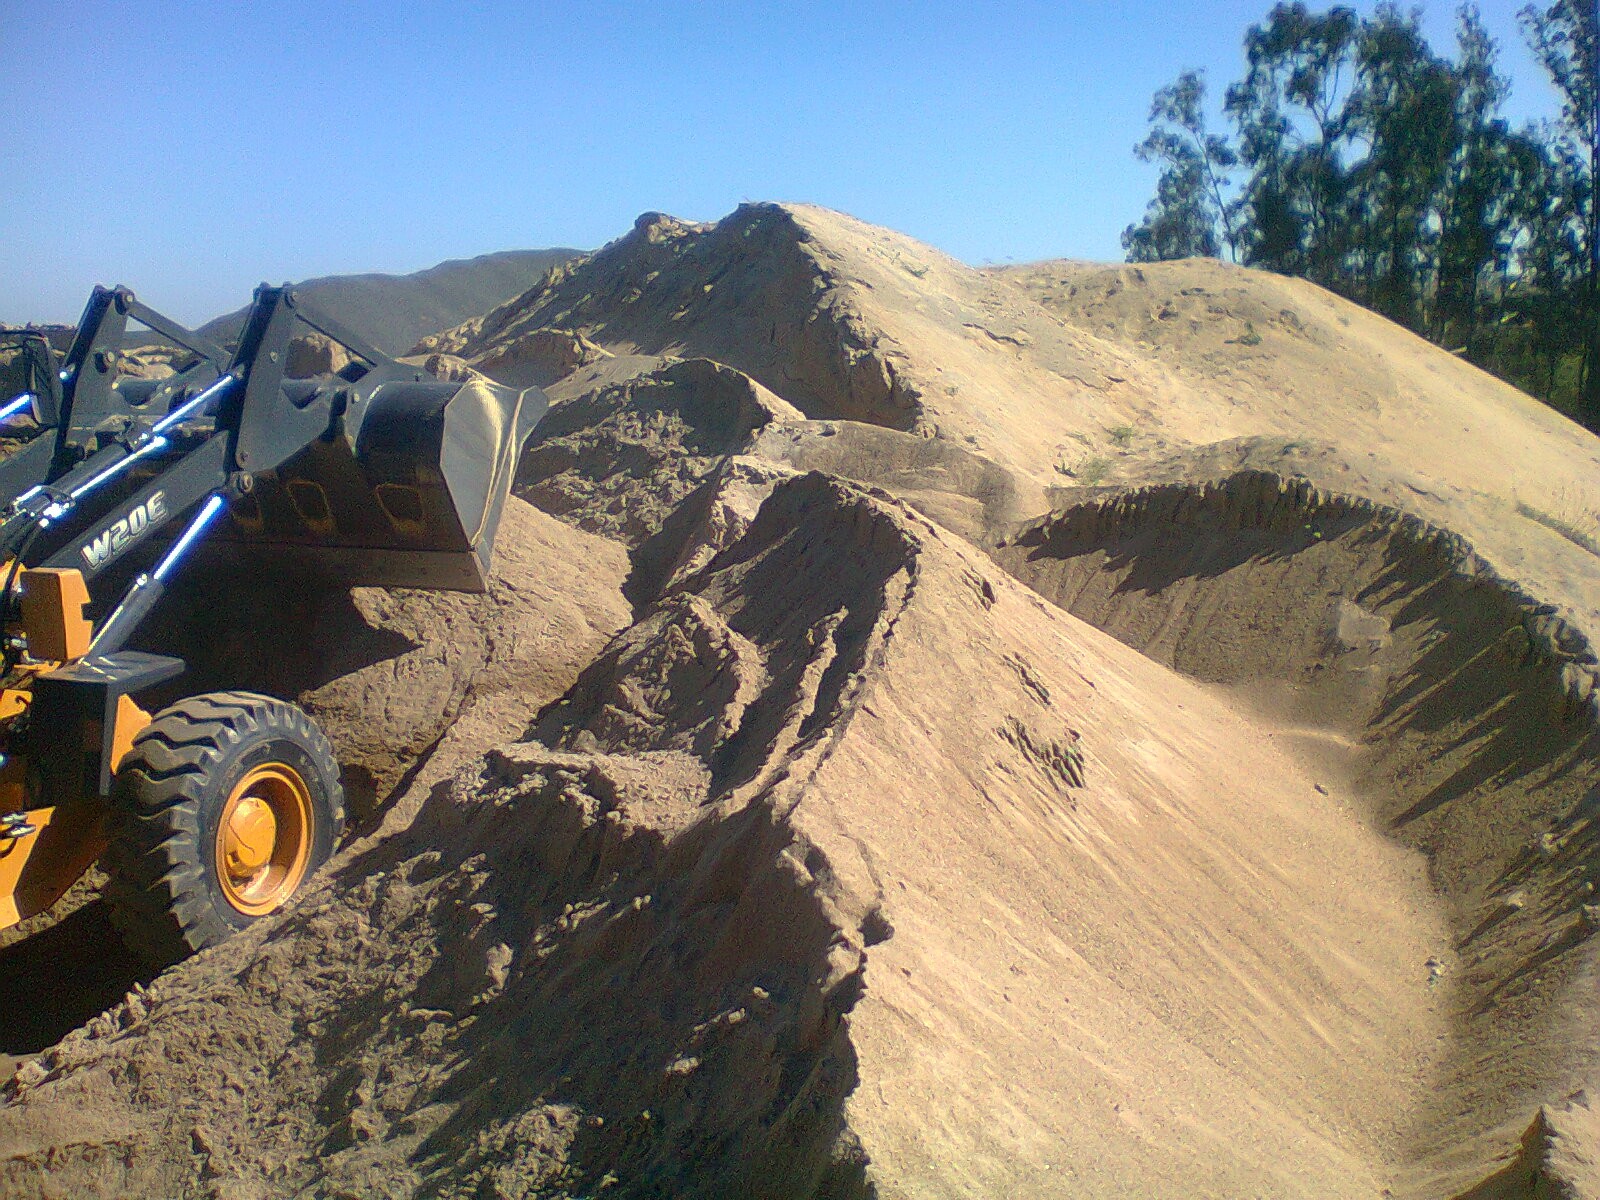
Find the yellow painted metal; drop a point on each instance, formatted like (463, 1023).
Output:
(14, 701)
(263, 844)
(52, 614)
(131, 720)
(252, 833)
(35, 870)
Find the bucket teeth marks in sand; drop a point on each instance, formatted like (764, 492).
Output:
(679, 680)
(1059, 760)
(982, 589)
(814, 542)
(640, 462)
(760, 658)
(1035, 686)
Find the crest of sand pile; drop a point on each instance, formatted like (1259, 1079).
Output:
(1066, 373)
(842, 319)
(1274, 355)
(773, 909)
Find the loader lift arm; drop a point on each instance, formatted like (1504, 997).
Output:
(84, 400)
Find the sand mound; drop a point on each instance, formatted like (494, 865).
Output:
(1253, 354)
(727, 940)
(854, 865)
(1065, 374)
(835, 316)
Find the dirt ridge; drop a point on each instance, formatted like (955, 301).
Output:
(1475, 721)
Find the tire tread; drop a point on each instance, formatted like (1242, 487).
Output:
(156, 887)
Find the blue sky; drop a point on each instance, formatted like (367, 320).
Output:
(191, 150)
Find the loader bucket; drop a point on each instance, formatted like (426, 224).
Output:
(407, 493)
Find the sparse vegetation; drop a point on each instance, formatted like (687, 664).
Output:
(1121, 435)
(1092, 470)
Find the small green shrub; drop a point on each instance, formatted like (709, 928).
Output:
(1092, 470)
(1121, 435)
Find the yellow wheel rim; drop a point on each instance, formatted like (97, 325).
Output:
(264, 838)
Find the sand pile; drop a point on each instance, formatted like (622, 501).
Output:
(860, 862)
(1461, 709)
(674, 937)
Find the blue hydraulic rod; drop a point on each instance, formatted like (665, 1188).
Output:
(148, 587)
(149, 443)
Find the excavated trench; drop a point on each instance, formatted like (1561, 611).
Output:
(1460, 709)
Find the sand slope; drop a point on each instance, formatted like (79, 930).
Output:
(1071, 906)
(939, 821)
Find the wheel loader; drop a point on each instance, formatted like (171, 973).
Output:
(214, 811)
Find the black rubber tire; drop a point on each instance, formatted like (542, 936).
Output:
(167, 800)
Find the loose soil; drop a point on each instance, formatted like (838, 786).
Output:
(1060, 731)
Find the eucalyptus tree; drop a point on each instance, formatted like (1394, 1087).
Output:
(1565, 36)
(1191, 206)
(1292, 122)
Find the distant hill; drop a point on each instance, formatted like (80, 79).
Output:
(396, 310)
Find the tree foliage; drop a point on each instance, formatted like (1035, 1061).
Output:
(1183, 220)
(1364, 160)
(1566, 37)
